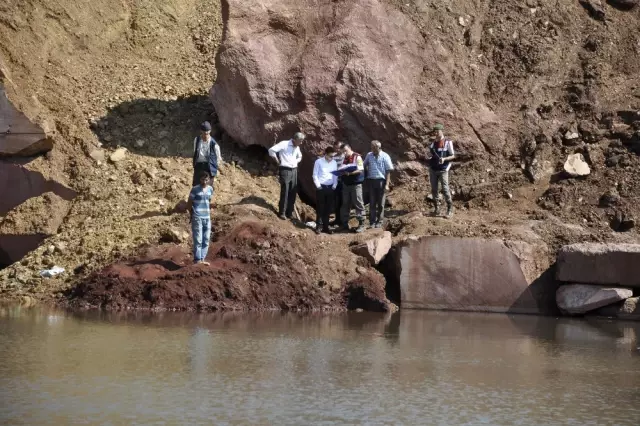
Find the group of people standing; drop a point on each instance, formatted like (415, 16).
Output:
(339, 192)
(339, 176)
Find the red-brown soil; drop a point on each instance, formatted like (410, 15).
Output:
(254, 267)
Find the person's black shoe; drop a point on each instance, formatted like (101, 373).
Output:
(317, 230)
(283, 217)
(327, 231)
(345, 228)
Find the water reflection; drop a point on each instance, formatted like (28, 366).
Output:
(406, 368)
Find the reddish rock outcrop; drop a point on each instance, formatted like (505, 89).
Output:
(18, 135)
(253, 268)
(337, 70)
(607, 264)
(467, 274)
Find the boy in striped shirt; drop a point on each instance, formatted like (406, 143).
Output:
(199, 209)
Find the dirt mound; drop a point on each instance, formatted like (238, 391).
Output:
(254, 267)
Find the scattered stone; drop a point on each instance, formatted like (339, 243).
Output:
(375, 249)
(60, 247)
(569, 136)
(595, 263)
(118, 155)
(462, 22)
(170, 235)
(51, 249)
(610, 198)
(113, 178)
(575, 166)
(140, 143)
(97, 155)
(624, 4)
(622, 222)
(595, 8)
(627, 309)
(580, 298)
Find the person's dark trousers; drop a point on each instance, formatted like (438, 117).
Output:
(324, 206)
(377, 198)
(337, 203)
(288, 190)
(198, 168)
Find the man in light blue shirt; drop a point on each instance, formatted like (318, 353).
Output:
(199, 209)
(377, 166)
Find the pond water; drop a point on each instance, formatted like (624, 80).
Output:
(412, 367)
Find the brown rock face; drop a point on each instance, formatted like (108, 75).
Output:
(336, 70)
(468, 274)
(606, 264)
(18, 135)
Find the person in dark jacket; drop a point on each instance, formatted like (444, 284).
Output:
(337, 202)
(206, 154)
(442, 154)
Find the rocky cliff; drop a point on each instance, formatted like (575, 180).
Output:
(520, 86)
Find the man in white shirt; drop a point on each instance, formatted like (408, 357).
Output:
(206, 154)
(288, 155)
(325, 181)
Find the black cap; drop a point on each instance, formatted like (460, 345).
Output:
(205, 127)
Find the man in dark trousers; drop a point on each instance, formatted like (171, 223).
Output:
(287, 155)
(337, 201)
(378, 167)
(352, 189)
(206, 154)
(325, 181)
(442, 154)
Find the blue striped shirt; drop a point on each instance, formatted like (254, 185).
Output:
(377, 168)
(201, 198)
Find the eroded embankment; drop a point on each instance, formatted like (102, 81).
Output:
(254, 267)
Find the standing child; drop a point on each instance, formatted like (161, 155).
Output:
(199, 209)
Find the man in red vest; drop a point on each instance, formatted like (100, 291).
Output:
(439, 164)
(352, 189)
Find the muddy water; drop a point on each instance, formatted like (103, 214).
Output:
(409, 368)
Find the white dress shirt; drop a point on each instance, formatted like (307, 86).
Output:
(203, 154)
(290, 155)
(322, 173)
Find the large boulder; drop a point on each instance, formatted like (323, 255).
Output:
(337, 70)
(580, 298)
(467, 274)
(594, 263)
(19, 136)
(26, 222)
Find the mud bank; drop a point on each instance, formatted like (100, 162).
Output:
(253, 268)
